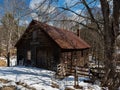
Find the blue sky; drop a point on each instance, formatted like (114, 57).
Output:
(1, 1)
(32, 4)
(59, 4)
(28, 1)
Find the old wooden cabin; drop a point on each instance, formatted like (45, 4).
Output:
(46, 46)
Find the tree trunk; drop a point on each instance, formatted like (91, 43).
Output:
(8, 59)
(110, 32)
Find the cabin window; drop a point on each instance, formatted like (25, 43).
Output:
(34, 35)
(29, 55)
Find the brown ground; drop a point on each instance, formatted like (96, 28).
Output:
(8, 88)
(13, 87)
(25, 85)
(3, 81)
(54, 85)
(67, 88)
(3, 63)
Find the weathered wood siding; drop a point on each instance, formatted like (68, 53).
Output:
(46, 50)
(45, 53)
(22, 52)
(75, 58)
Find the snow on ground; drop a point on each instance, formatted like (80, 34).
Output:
(13, 61)
(40, 78)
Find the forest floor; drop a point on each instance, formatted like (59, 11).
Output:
(29, 78)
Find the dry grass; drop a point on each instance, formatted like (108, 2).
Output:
(3, 81)
(14, 87)
(54, 85)
(76, 87)
(3, 63)
(8, 88)
(68, 88)
(25, 85)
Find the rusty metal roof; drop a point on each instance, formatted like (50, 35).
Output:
(64, 38)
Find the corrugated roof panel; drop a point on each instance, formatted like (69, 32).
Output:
(64, 38)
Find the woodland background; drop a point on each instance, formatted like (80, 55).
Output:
(97, 20)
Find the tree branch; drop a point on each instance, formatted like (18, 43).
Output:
(92, 17)
(116, 15)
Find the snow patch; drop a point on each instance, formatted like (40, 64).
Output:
(40, 78)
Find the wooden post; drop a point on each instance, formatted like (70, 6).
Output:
(76, 78)
(66, 67)
(71, 62)
(76, 85)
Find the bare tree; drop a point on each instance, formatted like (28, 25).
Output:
(13, 11)
(108, 30)
(46, 11)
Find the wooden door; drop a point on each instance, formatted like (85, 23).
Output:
(41, 58)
